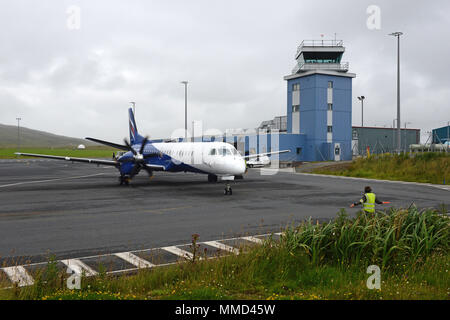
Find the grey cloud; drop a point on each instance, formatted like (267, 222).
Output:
(234, 55)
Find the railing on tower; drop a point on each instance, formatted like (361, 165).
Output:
(320, 43)
(305, 66)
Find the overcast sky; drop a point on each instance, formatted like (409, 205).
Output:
(79, 81)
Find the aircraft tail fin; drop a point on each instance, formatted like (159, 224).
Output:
(134, 135)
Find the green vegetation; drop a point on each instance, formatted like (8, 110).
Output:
(311, 261)
(428, 168)
(89, 152)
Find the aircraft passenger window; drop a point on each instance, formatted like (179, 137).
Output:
(212, 152)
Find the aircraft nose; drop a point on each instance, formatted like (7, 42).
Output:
(243, 167)
(239, 166)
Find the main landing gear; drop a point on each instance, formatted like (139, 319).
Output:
(124, 180)
(212, 178)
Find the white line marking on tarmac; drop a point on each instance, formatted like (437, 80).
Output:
(19, 275)
(178, 252)
(79, 267)
(222, 246)
(253, 239)
(59, 179)
(438, 186)
(134, 260)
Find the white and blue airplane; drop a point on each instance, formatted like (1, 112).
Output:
(216, 159)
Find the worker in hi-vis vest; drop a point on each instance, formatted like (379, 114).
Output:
(368, 201)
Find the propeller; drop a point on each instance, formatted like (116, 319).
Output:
(138, 158)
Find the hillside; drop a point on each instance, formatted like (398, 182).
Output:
(33, 138)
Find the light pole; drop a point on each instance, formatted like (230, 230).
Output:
(362, 109)
(18, 134)
(185, 109)
(398, 34)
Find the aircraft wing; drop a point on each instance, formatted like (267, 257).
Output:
(250, 156)
(86, 160)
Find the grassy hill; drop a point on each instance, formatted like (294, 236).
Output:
(36, 139)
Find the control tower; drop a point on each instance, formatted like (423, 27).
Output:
(319, 100)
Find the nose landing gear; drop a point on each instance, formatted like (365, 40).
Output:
(228, 189)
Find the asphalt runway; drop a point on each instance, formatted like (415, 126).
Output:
(74, 210)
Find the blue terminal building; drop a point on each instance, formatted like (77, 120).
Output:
(318, 122)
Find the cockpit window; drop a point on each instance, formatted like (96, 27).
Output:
(224, 152)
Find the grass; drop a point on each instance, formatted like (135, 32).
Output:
(427, 168)
(311, 261)
(89, 152)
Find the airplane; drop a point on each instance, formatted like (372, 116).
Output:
(216, 159)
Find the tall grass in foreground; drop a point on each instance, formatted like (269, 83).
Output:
(428, 168)
(311, 261)
(386, 238)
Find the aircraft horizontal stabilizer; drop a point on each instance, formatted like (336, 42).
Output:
(250, 156)
(111, 144)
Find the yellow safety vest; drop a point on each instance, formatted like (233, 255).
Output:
(369, 205)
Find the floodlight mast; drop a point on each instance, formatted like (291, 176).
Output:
(185, 109)
(398, 34)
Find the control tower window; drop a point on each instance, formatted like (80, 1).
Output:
(295, 97)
